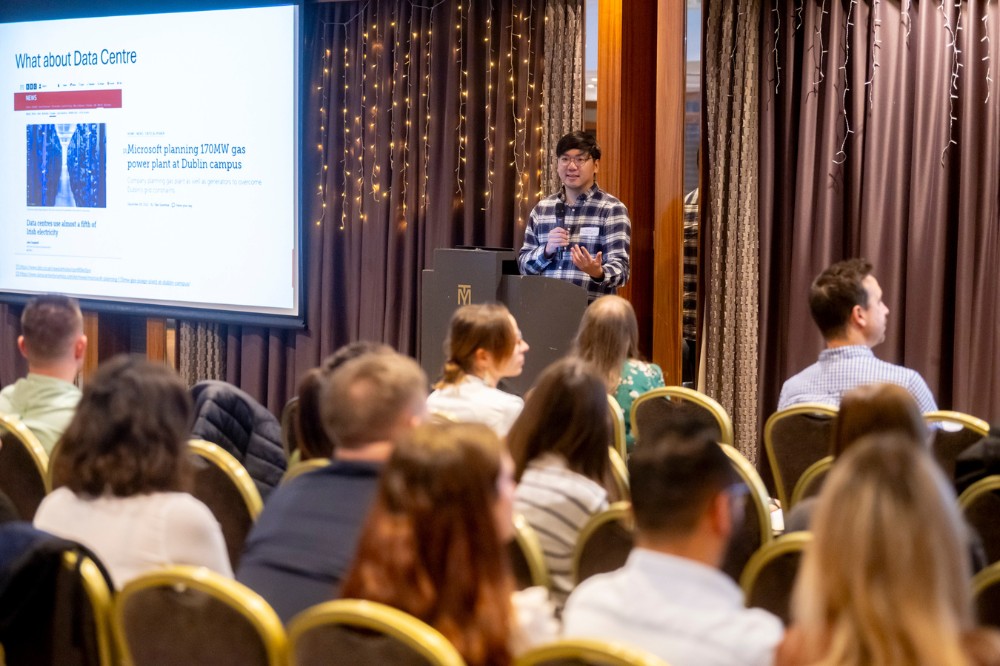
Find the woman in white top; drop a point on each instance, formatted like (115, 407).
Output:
(484, 345)
(560, 448)
(119, 473)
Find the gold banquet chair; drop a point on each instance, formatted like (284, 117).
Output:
(811, 481)
(303, 467)
(755, 531)
(654, 409)
(196, 617)
(224, 485)
(953, 434)
(618, 427)
(23, 467)
(794, 439)
(355, 631)
(586, 652)
(769, 576)
(526, 557)
(604, 543)
(986, 595)
(980, 505)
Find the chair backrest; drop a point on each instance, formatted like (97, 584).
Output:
(616, 482)
(980, 504)
(769, 576)
(755, 530)
(618, 427)
(97, 587)
(194, 616)
(526, 557)
(955, 432)
(23, 467)
(586, 652)
(604, 543)
(289, 429)
(226, 488)
(986, 595)
(365, 632)
(795, 438)
(300, 468)
(655, 409)
(811, 481)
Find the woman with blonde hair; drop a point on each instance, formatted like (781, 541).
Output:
(885, 581)
(608, 338)
(434, 543)
(484, 345)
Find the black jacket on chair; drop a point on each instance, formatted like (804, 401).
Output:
(231, 418)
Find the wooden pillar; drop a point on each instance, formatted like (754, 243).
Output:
(112, 333)
(640, 126)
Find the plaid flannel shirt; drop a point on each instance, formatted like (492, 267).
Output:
(596, 221)
(841, 369)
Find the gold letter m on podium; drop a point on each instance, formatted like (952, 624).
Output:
(464, 294)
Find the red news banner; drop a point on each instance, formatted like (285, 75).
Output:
(68, 99)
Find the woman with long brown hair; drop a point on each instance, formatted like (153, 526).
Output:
(484, 345)
(432, 545)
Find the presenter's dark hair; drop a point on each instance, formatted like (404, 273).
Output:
(585, 142)
(835, 292)
(129, 434)
(50, 325)
(566, 413)
(485, 326)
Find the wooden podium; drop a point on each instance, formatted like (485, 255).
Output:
(547, 310)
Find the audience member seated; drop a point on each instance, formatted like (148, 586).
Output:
(484, 345)
(885, 581)
(53, 342)
(121, 471)
(866, 410)
(433, 544)
(313, 441)
(846, 303)
(560, 447)
(609, 338)
(304, 540)
(670, 598)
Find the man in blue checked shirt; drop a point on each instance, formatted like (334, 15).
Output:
(846, 304)
(581, 233)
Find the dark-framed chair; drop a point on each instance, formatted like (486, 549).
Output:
(953, 433)
(769, 576)
(194, 616)
(224, 485)
(755, 531)
(587, 652)
(794, 439)
(618, 427)
(986, 595)
(654, 409)
(365, 632)
(811, 481)
(604, 543)
(980, 505)
(526, 557)
(23, 467)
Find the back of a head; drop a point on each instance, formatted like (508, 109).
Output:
(430, 545)
(129, 434)
(312, 438)
(885, 580)
(370, 398)
(835, 292)
(484, 326)
(876, 408)
(608, 335)
(50, 325)
(566, 413)
(672, 480)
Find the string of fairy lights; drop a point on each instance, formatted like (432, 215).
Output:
(393, 92)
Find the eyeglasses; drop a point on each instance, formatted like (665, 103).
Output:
(579, 160)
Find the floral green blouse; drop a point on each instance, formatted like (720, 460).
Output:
(637, 378)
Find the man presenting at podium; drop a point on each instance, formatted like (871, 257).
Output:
(581, 233)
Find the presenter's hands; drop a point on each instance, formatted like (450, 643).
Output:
(558, 238)
(592, 265)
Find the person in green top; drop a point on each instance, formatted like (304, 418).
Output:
(608, 337)
(53, 342)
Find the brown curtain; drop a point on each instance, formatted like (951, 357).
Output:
(423, 130)
(729, 214)
(880, 138)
